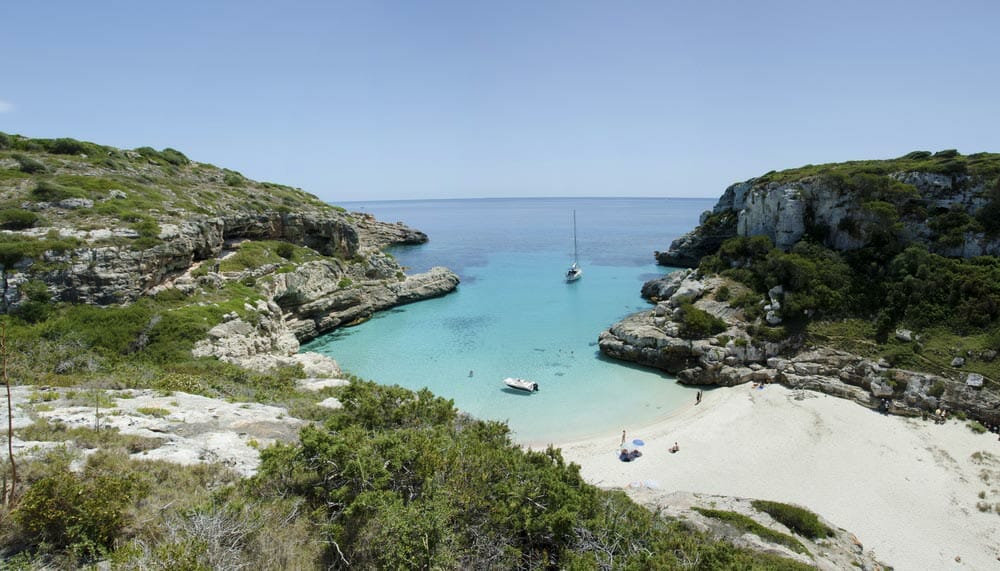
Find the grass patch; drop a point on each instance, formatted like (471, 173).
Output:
(105, 438)
(747, 524)
(256, 253)
(153, 411)
(976, 426)
(799, 520)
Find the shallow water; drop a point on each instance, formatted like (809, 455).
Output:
(513, 315)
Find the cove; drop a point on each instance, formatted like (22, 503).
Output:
(514, 315)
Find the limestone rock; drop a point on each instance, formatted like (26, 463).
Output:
(783, 211)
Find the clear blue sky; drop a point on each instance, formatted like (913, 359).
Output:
(369, 100)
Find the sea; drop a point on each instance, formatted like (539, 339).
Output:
(514, 315)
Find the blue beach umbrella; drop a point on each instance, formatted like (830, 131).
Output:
(638, 442)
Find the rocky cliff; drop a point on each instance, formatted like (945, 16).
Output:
(934, 199)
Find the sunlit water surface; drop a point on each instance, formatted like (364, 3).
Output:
(514, 315)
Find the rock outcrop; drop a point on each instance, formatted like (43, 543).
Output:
(96, 273)
(836, 215)
(304, 304)
(743, 353)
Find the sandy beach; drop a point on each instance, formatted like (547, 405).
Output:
(908, 488)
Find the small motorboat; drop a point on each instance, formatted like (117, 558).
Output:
(521, 384)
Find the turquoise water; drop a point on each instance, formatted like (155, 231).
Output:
(513, 315)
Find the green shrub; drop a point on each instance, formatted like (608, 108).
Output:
(84, 514)
(174, 157)
(799, 520)
(285, 250)
(723, 293)
(46, 191)
(17, 219)
(4, 141)
(747, 524)
(697, 323)
(937, 389)
(768, 333)
(14, 248)
(153, 411)
(976, 426)
(234, 179)
(35, 290)
(67, 147)
(29, 165)
(344, 282)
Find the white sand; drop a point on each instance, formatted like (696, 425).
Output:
(907, 488)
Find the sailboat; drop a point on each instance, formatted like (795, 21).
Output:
(574, 272)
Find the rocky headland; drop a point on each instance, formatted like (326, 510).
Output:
(835, 204)
(95, 225)
(864, 212)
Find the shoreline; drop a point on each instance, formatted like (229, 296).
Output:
(907, 488)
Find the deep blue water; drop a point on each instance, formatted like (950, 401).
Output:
(514, 315)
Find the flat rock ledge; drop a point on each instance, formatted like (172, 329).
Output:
(653, 337)
(181, 427)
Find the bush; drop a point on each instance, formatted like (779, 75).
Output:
(937, 389)
(697, 323)
(84, 514)
(17, 219)
(744, 523)
(799, 520)
(67, 147)
(29, 165)
(174, 157)
(976, 426)
(723, 293)
(344, 282)
(234, 179)
(285, 250)
(46, 191)
(35, 290)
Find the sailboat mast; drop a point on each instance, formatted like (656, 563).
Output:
(575, 259)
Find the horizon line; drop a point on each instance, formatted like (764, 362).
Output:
(529, 198)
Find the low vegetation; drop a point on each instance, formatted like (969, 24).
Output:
(866, 176)
(747, 524)
(127, 186)
(395, 479)
(800, 520)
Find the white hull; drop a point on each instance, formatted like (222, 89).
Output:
(521, 384)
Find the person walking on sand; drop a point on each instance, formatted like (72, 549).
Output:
(697, 398)
(623, 438)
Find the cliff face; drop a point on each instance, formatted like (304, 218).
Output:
(837, 210)
(103, 275)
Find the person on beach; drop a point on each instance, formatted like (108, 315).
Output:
(623, 438)
(697, 398)
(675, 448)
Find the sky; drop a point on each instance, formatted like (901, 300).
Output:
(381, 100)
